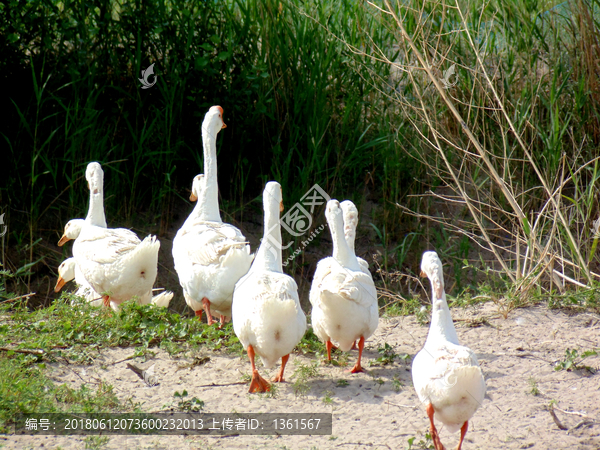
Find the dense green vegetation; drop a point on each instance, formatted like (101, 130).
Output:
(314, 92)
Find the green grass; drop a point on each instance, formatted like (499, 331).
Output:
(533, 387)
(25, 388)
(302, 374)
(73, 330)
(78, 332)
(573, 360)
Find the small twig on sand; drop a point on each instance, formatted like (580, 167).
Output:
(585, 421)
(80, 377)
(124, 359)
(402, 406)
(26, 351)
(556, 421)
(571, 412)
(582, 423)
(362, 444)
(219, 385)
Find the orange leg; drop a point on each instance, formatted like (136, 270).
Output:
(206, 303)
(434, 435)
(199, 314)
(279, 377)
(258, 383)
(357, 367)
(106, 300)
(329, 346)
(353, 346)
(463, 432)
(223, 320)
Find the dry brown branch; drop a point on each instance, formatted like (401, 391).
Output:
(25, 351)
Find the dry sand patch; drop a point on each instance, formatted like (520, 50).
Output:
(369, 411)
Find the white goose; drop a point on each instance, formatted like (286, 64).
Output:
(446, 375)
(343, 296)
(113, 261)
(68, 271)
(72, 230)
(210, 255)
(267, 316)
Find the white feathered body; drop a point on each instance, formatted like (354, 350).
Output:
(267, 314)
(210, 257)
(448, 376)
(344, 303)
(115, 262)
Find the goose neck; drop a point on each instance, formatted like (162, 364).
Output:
(442, 327)
(269, 252)
(342, 252)
(209, 198)
(95, 215)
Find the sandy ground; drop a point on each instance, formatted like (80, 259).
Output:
(372, 411)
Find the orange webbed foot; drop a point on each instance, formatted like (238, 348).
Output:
(206, 304)
(258, 383)
(106, 300)
(279, 377)
(356, 369)
(223, 320)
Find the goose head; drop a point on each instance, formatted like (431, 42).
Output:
(95, 177)
(350, 221)
(213, 121)
(272, 195)
(197, 186)
(72, 230)
(431, 267)
(334, 215)
(66, 273)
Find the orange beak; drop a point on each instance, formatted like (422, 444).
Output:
(221, 109)
(63, 240)
(281, 206)
(59, 284)
(193, 197)
(423, 274)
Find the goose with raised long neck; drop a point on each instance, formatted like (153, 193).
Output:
(343, 296)
(95, 179)
(267, 316)
(446, 375)
(210, 256)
